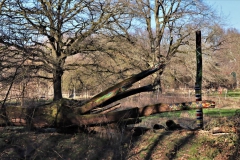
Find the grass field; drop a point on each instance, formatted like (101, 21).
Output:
(233, 93)
(214, 112)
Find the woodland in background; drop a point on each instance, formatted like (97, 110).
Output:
(220, 68)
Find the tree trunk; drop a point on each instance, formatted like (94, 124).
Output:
(134, 113)
(57, 84)
(117, 89)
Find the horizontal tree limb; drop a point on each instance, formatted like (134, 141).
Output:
(60, 114)
(112, 117)
(109, 109)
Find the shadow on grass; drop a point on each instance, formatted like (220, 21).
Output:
(31, 145)
(236, 154)
(156, 142)
(180, 144)
(131, 139)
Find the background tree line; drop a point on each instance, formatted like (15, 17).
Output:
(65, 44)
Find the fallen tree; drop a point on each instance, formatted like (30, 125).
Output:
(118, 116)
(61, 114)
(66, 112)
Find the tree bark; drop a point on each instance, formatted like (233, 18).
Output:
(57, 84)
(96, 119)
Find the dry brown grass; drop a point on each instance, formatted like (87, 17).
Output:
(144, 99)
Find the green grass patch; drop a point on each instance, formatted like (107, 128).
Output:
(165, 114)
(204, 147)
(213, 112)
(233, 94)
(230, 93)
(217, 112)
(220, 112)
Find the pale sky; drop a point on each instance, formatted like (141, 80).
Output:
(230, 9)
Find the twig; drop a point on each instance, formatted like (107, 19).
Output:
(58, 154)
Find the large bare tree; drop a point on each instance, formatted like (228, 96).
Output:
(52, 30)
(169, 24)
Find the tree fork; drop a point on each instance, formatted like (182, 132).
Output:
(117, 89)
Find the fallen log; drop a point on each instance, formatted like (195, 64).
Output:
(112, 117)
(168, 107)
(96, 119)
(61, 114)
(111, 109)
(108, 108)
(115, 90)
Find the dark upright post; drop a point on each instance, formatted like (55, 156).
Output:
(198, 84)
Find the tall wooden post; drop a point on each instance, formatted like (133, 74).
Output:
(198, 84)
